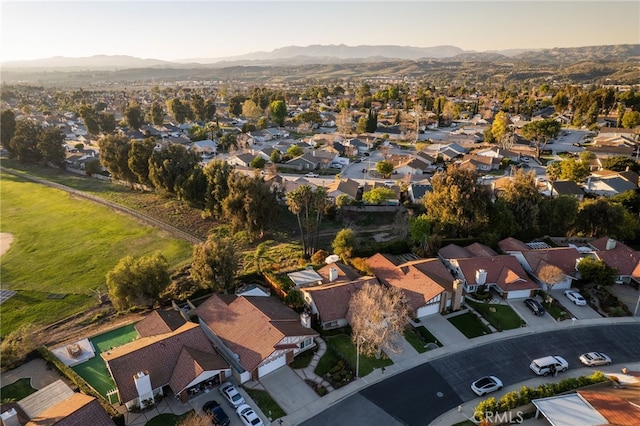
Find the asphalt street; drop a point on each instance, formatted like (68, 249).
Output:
(420, 395)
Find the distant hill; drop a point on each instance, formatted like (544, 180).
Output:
(97, 62)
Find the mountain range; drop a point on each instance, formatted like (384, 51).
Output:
(328, 54)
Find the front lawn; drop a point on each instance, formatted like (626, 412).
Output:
(267, 405)
(419, 337)
(469, 325)
(342, 345)
(303, 360)
(502, 317)
(168, 419)
(17, 390)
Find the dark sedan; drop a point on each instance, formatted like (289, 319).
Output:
(535, 306)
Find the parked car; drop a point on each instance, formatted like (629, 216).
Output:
(248, 416)
(549, 365)
(231, 394)
(535, 306)
(311, 174)
(216, 412)
(575, 297)
(525, 159)
(595, 358)
(486, 385)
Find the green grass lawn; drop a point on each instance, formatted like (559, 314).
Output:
(267, 405)
(302, 360)
(342, 344)
(326, 363)
(502, 317)
(66, 245)
(94, 371)
(419, 337)
(470, 325)
(17, 390)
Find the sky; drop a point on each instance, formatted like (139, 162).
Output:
(172, 30)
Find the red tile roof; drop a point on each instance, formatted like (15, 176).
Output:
(454, 251)
(622, 257)
(79, 409)
(251, 326)
(505, 271)
(617, 410)
(159, 322)
(418, 287)
(156, 354)
(563, 257)
(436, 270)
(332, 301)
(191, 363)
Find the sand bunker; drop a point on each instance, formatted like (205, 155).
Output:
(5, 242)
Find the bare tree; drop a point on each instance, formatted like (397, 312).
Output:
(550, 275)
(377, 314)
(344, 123)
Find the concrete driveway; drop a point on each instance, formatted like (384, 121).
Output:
(578, 312)
(629, 295)
(288, 389)
(528, 316)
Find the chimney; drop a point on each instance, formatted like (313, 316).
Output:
(481, 277)
(333, 274)
(457, 294)
(143, 386)
(10, 418)
(305, 320)
(611, 244)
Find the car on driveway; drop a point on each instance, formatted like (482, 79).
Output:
(248, 416)
(216, 412)
(486, 385)
(231, 394)
(591, 359)
(535, 306)
(575, 297)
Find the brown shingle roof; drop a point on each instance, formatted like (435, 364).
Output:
(79, 409)
(504, 271)
(345, 273)
(436, 270)
(191, 363)
(251, 326)
(563, 257)
(480, 250)
(418, 287)
(159, 322)
(622, 257)
(511, 244)
(332, 301)
(616, 409)
(156, 354)
(454, 251)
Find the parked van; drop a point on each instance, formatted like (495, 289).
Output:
(549, 365)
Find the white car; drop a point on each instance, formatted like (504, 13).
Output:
(575, 297)
(595, 358)
(231, 394)
(486, 385)
(248, 416)
(312, 175)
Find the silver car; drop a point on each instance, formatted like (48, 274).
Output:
(591, 359)
(486, 385)
(575, 297)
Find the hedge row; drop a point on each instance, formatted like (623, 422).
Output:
(526, 394)
(82, 385)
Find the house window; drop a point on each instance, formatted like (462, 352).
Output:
(306, 343)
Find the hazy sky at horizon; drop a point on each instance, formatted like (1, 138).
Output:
(172, 30)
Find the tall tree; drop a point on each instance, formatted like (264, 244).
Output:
(385, 168)
(559, 215)
(540, 132)
(379, 195)
(377, 315)
(308, 205)
(215, 263)
(278, 111)
(251, 205)
(600, 217)
(630, 119)
(138, 282)
(209, 109)
(523, 199)
(23, 145)
(420, 229)
(250, 110)
(157, 113)
(458, 203)
(107, 121)
(198, 106)
(500, 125)
(170, 167)
(138, 159)
(89, 118)
(344, 243)
(114, 155)
(217, 173)
(134, 116)
(51, 146)
(7, 128)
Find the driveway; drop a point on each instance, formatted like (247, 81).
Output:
(288, 389)
(528, 316)
(578, 312)
(627, 294)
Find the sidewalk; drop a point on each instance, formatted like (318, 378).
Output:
(311, 410)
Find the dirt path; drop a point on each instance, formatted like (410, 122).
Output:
(5, 242)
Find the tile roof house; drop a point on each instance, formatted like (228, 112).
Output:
(620, 256)
(428, 289)
(181, 358)
(256, 335)
(480, 162)
(540, 262)
(503, 273)
(565, 187)
(57, 404)
(347, 186)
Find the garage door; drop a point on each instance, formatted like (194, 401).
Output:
(271, 366)
(428, 310)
